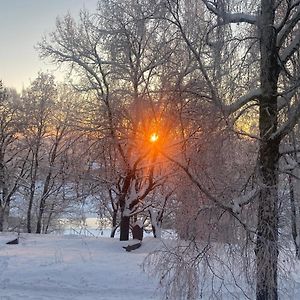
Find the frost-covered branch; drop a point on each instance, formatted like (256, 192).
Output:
(284, 98)
(230, 17)
(287, 26)
(289, 124)
(250, 96)
(233, 208)
(291, 49)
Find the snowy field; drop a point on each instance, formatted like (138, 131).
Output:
(43, 267)
(73, 267)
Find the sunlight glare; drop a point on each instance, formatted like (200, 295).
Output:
(153, 137)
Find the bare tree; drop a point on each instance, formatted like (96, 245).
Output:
(223, 58)
(117, 52)
(12, 151)
(60, 137)
(49, 113)
(274, 22)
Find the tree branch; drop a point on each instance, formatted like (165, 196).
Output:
(286, 26)
(289, 124)
(291, 49)
(250, 96)
(230, 17)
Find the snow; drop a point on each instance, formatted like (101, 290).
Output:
(64, 267)
(73, 267)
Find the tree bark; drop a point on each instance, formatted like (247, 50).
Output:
(124, 228)
(4, 212)
(114, 223)
(267, 227)
(40, 216)
(30, 204)
(125, 220)
(49, 218)
(294, 217)
(1, 219)
(43, 204)
(4, 201)
(113, 232)
(33, 178)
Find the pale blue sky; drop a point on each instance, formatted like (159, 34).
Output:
(22, 25)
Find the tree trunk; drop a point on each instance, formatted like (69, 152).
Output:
(125, 220)
(41, 213)
(294, 217)
(267, 227)
(155, 223)
(124, 228)
(114, 223)
(33, 175)
(2, 217)
(46, 188)
(137, 232)
(49, 218)
(40, 217)
(29, 209)
(113, 232)
(5, 199)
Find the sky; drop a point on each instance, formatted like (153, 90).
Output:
(22, 25)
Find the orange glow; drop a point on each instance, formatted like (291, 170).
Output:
(153, 137)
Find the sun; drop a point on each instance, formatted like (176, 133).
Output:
(153, 137)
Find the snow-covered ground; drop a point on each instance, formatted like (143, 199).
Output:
(43, 267)
(74, 267)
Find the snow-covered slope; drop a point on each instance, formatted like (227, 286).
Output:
(73, 267)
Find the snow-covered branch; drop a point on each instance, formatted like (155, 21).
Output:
(233, 208)
(250, 96)
(291, 49)
(288, 25)
(289, 124)
(230, 17)
(284, 99)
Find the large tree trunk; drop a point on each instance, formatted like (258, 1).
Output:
(124, 228)
(294, 217)
(125, 220)
(267, 227)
